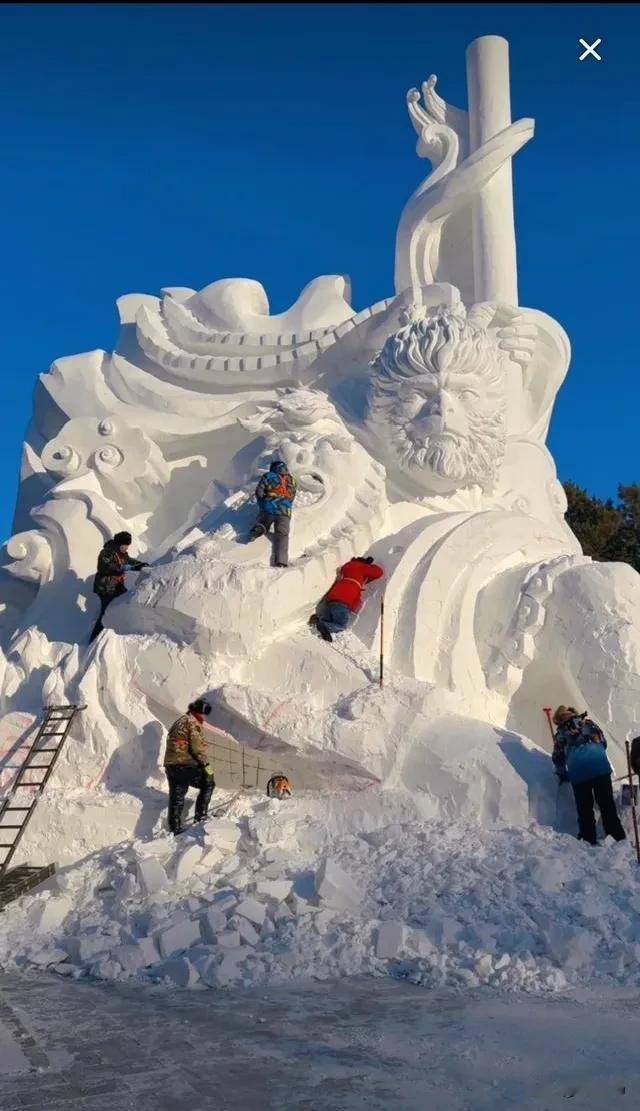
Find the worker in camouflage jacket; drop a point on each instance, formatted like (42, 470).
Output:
(275, 495)
(186, 764)
(113, 563)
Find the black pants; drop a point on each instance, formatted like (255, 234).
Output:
(181, 777)
(281, 527)
(599, 790)
(98, 627)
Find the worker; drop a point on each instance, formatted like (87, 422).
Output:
(113, 563)
(580, 758)
(275, 495)
(186, 764)
(343, 599)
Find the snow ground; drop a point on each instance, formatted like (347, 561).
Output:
(334, 1046)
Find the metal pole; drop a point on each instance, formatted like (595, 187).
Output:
(633, 803)
(382, 640)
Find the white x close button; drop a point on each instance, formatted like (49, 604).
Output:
(590, 50)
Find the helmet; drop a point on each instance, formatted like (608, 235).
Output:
(200, 707)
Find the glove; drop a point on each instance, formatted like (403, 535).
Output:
(208, 771)
(141, 565)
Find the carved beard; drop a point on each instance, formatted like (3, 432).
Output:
(468, 460)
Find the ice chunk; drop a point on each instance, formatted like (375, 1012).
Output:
(212, 923)
(222, 832)
(251, 909)
(151, 876)
(180, 971)
(44, 957)
(83, 949)
(274, 889)
(231, 864)
(127, 888)
(228, 972)
(385, 836)
(391, 939)
(49, 914)
(210, 860)
(179, 937)
(140, 954)
(229, 939)
(247, 933)
(186, 862)
(335, 887)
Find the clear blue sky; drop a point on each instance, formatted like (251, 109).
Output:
(173, 144)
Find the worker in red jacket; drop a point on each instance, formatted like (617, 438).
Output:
(343, 598)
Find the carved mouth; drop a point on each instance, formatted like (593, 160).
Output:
(311, 488)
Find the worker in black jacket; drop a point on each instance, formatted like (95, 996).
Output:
(113, 563)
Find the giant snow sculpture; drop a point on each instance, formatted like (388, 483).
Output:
(417, 431)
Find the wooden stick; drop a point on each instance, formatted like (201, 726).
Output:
(382, 640)
(633, 803)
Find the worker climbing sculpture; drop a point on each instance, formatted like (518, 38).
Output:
(415, 430)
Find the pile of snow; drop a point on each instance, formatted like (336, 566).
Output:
(330, 886)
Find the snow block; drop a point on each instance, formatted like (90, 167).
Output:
(179, 937)
(83, 949)
(211, 859)
(151, 876)
(140, 954)
(158, 848)
(212, 924)
(335, 887)
(229, 939)
(49, 914)
(180, 971)
(391, 940)
(228, 972)
(251, 909)
(45, 957)
(126, 889)
(274, 889)
(223, 832)
(186, 862)
(231, 864)
(248, 935)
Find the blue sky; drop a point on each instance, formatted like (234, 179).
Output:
(173, 144)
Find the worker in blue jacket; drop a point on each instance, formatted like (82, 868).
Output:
(275, 494)
(580, 758)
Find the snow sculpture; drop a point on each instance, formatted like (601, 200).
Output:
(417, 430)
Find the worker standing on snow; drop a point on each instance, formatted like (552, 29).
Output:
(343, 599)
(113, 563)
(275, 494)
(186, 764)
(580, 758)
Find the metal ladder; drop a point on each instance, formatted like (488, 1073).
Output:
(33, 773)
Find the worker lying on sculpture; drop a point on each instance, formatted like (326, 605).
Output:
(580, 758)
(275, 494)
(113, 563)
(186, 764)
(343, 599)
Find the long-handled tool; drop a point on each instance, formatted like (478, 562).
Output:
(382, 640)
(634, 817)
(547, 712)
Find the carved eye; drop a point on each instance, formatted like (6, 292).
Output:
(466, 395)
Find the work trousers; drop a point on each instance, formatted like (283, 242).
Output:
(335, 616)
(281, 527)
(181, 777)
(98, 627)
(600, 791)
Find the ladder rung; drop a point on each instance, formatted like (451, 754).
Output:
(30, 766)
(2, 826)
(7, 808)
(7, 844)
(30, 784)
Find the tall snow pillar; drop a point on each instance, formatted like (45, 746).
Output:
(494, 242)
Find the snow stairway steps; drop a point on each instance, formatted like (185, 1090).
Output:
(33, 773)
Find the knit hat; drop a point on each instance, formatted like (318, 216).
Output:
(122, 538)
(200, 707)
(277, 466)
(364, 559)
(563, 713)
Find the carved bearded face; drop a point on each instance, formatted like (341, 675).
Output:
(437, 401)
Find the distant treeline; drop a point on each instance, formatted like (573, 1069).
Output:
(607, 530)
